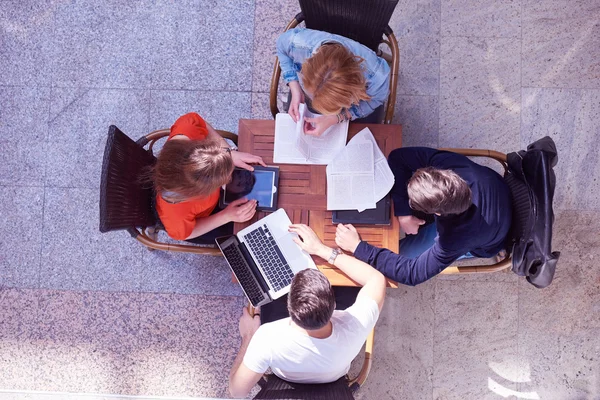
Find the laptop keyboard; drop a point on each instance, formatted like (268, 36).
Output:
(269, 256)
(243, 274)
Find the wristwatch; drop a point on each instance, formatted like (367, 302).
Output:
(333, 256)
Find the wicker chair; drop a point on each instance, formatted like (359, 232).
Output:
(126, 202)
(519, 216)
(363, 21)
(273, 387)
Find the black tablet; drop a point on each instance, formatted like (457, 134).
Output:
(260, 185)
(377, 216)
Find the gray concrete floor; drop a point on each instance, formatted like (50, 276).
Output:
(86, 312)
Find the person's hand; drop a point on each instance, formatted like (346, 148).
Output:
(297, 98)
(410, 224)
(317, 125)
(243, 160)
(240, 210)
(248, 324)
(346, 237)
(308, 241)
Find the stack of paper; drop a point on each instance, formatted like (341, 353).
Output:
(359, 175)
(292, 146)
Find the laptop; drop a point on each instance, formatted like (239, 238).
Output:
(264, 258)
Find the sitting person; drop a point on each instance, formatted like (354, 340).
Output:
(191, 168)
(470, 203)
(342, 79)
(315, 344)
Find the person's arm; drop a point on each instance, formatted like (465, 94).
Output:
(240, 210)
(241, 378)
(408, 271)
(378, 86)
(240, 159)
(372, 281)
(286, 63)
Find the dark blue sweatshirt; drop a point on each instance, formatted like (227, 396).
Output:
(481, 229)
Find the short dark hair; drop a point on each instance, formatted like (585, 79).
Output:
(311, 300)
(438, 191)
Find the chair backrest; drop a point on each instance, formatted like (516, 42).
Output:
(275, 388)
(125, 200)
(360, 20)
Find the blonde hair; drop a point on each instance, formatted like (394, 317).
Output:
(334, 78)
(438, 191)
(187, 169)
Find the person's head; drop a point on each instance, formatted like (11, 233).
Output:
(187, 169)
(333, 79)
(311, 300)
(438, 191)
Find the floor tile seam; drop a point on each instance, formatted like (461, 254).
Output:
(8, 185)
(439, 37)
(87, 87)
(8, 85)
(96, 395)
(478, 37)
(591, 89)
(42, 235)
(253, 52)
(433, 359)
(120, 292)
(521, 80)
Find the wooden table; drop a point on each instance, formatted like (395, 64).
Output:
(303, 190)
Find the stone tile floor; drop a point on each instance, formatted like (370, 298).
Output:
(83, 312)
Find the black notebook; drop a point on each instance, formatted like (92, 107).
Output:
(380, 215)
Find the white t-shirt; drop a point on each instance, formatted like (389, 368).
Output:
(297, 357)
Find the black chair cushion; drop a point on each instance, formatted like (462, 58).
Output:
(360, 20)
(126, 197)
(272, 387)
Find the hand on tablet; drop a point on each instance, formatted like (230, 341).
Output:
(243, 160)
(240, 210)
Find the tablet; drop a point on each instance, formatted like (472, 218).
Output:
(260, 185)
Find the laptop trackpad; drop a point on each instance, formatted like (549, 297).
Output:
(297, 259)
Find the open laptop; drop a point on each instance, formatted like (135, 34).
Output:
(264, 258)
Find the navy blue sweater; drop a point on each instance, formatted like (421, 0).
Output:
(481, 229)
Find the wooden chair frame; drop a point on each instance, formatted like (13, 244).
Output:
(355, 383)
(393, 59)
(506, 262)
(148, 236)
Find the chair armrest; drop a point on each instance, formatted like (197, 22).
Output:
(360, 379)
(478, 269)
(143, 238)
(496, 155)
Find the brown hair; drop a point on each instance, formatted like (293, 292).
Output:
(311, 300)
(334, 78)
(438, 191)
(191, 168)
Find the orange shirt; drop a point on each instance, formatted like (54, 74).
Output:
(179, 219)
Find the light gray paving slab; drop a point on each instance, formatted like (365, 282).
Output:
(21, 226)
(418, 116)
(419, 18)
(101, 44)
(481, 19)
(480, 95)
(419, 65)
(23, 131)
(474, 339)
(188, 342)
(76, 255)
(403, 360)
(559, 325)
(560, 44)
(570, 117)
(204, 45)
(24, 113)
(17, 319)
(25, 42)
(270, 20)
(85, 341)
(171, 272)
(260, 106)
(222, 110)
(79, 121)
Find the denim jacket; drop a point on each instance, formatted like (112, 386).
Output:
(296, 45)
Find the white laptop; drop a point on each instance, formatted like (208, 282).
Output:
(264, 258)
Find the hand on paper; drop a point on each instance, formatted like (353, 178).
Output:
(317, 125)
(297, 98)
(346, 237)
(248, 324)
(308, 241)
(410, 224)
(243, 160)
(240, 210)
